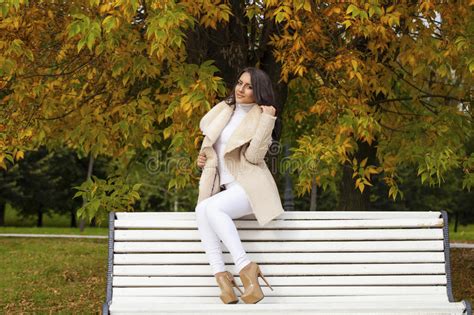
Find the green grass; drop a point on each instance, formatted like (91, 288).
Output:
(50, 275)
(465, 233)
(53, 230)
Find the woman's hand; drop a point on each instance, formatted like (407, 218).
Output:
(270, 110)
(201, 161)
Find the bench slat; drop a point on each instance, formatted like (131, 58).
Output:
(174, 258)
(301, 246)
(284, 281)
(203, 300)
(291, 215)
(286, 291)
(285, 269)
(287, 224)
(327, 308)
(373, 234)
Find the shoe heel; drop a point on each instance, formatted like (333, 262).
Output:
(266, 282)
(227, 293)
(238, 288)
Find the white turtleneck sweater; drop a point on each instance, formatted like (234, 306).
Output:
(220, 144)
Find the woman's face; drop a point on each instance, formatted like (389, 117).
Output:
(243, 89)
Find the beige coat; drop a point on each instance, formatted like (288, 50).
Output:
(244, 158)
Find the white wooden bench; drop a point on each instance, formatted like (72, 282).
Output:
(317, 262)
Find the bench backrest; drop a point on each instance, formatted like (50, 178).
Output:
(304, 255)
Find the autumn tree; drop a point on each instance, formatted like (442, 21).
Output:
(380, 85)
(391, 85)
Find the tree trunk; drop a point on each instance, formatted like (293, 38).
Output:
(456, 221)
(73, 219)
(351, 199)
(2, 213)
(176, 200)
(288, 196)
(314, 193)
(39, 222)
(82, 222)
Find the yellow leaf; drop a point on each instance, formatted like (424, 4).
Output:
(166, 133)
(347, 23)
(354, 64)
(145, 143)
(366, 182)
(372, 170)
(307, 6)
(19, 155)
(187, 106)
(361, 187)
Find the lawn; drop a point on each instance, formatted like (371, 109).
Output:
(43, 275)
(53, 230)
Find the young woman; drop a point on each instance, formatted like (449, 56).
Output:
(235, 180)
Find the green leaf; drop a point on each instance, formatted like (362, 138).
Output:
(78, 194)
(350, 9)
(109, 23)
(74, 29)
(90, 41)
(280, 17)
(81, 44)
(94, 205)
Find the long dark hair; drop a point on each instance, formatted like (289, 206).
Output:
(262, 92)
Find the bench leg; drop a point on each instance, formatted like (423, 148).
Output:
(105, 309)
(468, 307)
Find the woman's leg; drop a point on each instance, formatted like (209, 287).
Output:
(230, 204)
(220, 210)
(209, 239)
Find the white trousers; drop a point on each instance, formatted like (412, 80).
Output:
(214, 216)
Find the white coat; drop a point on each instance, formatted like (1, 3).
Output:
(244, 157)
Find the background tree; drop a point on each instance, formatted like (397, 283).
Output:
(9, 190)
(393, 86)
(389, 85)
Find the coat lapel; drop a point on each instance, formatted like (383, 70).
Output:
(243, 133)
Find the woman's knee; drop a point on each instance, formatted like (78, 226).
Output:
(213, 208)
(201, 208)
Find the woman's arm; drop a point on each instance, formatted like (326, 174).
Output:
(258, 147)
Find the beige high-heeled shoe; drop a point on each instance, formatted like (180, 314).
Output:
(249, 277)
(226, 281)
